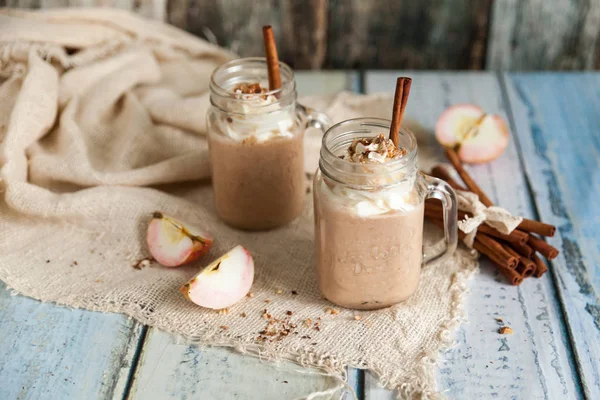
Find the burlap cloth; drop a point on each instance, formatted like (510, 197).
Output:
(98, 108)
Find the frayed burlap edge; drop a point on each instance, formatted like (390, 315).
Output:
(415, 387)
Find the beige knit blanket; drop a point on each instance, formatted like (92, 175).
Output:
(102, 123)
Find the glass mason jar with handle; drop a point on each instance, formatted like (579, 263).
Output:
(369, 220)
(256, 145)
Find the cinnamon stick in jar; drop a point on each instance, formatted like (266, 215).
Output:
(272, 58)
(400, 101)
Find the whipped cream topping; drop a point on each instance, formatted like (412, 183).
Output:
(373, 150)
(397, 191)
(400, 197)
(258, 117)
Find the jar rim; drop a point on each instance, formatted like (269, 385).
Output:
(287, 75)
(407, 160)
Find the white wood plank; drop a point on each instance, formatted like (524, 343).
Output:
(556, 120)
(535, 362)
(168, 369)
(51, 352)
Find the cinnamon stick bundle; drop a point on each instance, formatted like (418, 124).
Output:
(523, 249)
(527, 225)
(442, 173)
(540, 266)
(513, 254)
(433, 207)
(526, 267)
(515, 236)
(508, 259)
(513, 276)
(494, 250)
(498, 260)
(464, 175)
(542, 247)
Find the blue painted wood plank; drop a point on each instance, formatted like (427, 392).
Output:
(51, 352)
(535, 362)
(556, 121)
(172, 369)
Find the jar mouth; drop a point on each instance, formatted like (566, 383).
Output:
(250, 69)
(369, 176)
(341, 135)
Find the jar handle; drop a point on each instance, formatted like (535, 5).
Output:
(438, 189)
(313, 118)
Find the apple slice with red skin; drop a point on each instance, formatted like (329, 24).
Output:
(173, 243)
(478, 137)
(224, 282)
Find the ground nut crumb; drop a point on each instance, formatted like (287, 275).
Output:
(307, 322)
(357, 317)
(267, 301)
(250, 294)
(243, 315)
(505, 330)
(223, 311)
(224, 327)
(279, 291)
(332, 311)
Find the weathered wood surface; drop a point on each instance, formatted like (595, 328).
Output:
(556, 120)
(554, 352)
(51, 352)
(427, 34)
(544, 34)
(407, 34)
(168, 369)
(534, 362)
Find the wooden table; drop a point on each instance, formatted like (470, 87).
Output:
(551, 170)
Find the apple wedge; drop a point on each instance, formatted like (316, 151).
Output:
(173, 243)
(222, 283)
(479, 137)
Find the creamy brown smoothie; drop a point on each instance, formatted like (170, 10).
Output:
(368, 262)
(257, 161)
(368, 242)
